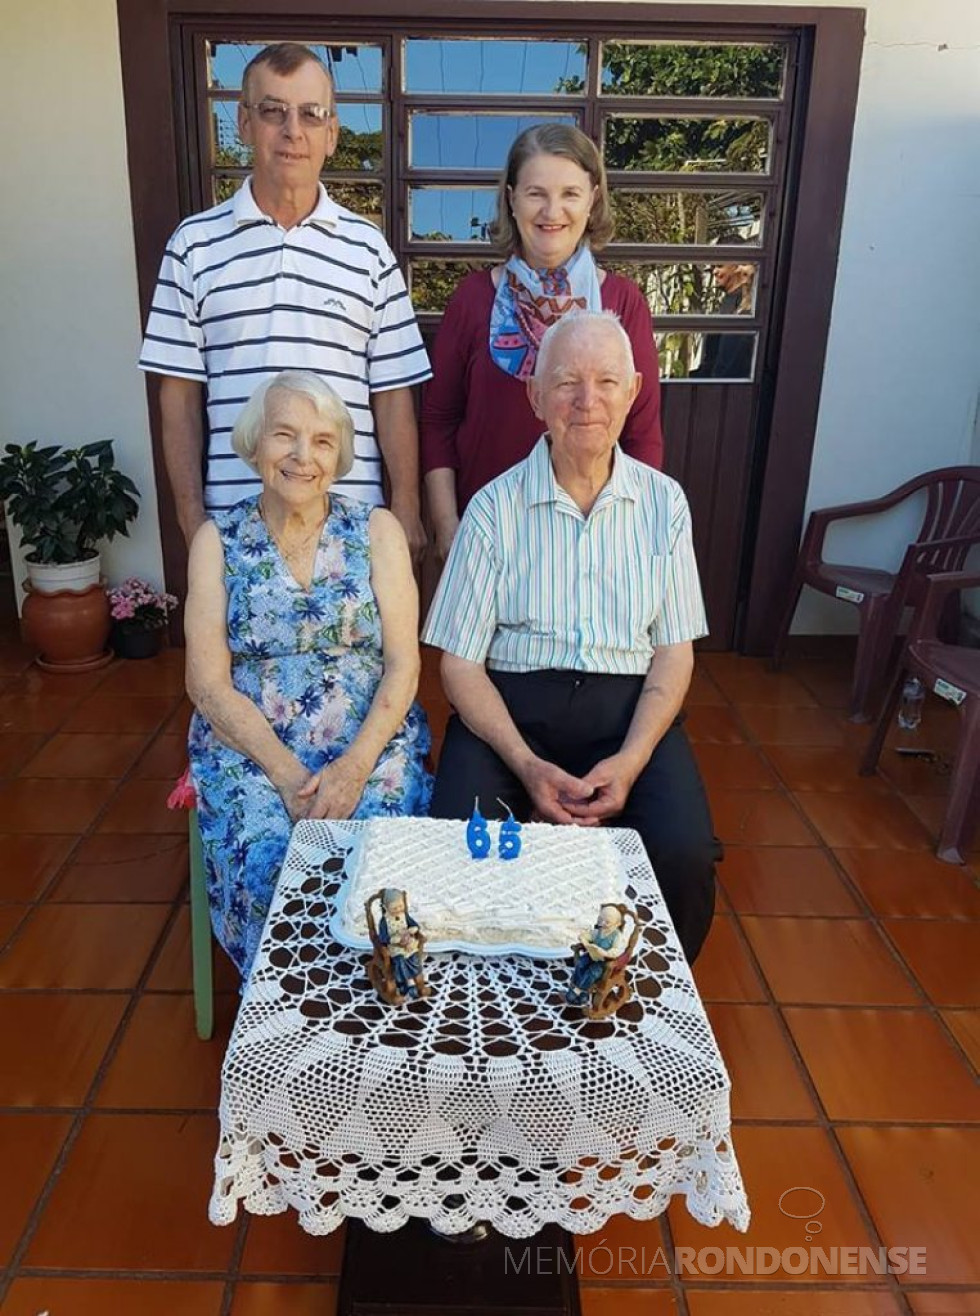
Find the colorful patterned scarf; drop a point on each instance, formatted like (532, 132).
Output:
(528, 301)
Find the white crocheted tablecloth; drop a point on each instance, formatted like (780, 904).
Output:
(491, 1100)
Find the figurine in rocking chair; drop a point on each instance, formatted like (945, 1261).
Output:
(599, 980)
(399, 947)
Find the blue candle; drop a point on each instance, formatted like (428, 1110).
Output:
(477, 833)
(509, 841)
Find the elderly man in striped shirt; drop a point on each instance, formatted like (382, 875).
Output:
(280, 277)
(566, 616)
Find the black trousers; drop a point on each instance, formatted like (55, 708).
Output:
(576, 719)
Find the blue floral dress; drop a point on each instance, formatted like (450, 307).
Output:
(311, 661)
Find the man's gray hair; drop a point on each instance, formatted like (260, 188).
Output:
(581, 322)
(330, 407)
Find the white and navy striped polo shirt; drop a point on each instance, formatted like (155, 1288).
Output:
(239, 298)
(531, 583)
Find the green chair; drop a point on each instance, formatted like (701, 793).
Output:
(201, 947)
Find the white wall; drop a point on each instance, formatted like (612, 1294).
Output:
(69, 323)
(902, 384)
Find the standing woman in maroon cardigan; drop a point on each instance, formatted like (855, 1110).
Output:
(552, 212)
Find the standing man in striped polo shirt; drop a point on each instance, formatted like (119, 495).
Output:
(566, 615)
(280, 277)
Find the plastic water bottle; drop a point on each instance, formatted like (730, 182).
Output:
(910, 705)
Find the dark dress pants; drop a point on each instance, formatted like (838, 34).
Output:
(576, 719)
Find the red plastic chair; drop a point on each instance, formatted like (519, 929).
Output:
(954, 673)
(951, 524)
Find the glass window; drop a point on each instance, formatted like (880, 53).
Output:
(686, 216)
(360, 144)
(432, 282)
(464, 140)
(451, 214)
(493, 67)
(365, 199)
(355, 68)
(685, 288)
(706, 356)
(657, 68)
(689, 145)
(227, 148)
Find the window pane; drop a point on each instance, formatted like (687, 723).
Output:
(692, 217)
(365, 199)
(354, 68)
(494, 68)
(360, 146)
(227, 148)
(451, 214)
(687, 289)
(688, 145)
(699, 356)
(223, 187)
(466, 140)
(432, 282)
(640, 68)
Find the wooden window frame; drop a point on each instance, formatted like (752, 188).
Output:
(156, 40)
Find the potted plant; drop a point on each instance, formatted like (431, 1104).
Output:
(64, 501)
(139, 614)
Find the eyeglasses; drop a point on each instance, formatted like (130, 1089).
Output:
(277, 112)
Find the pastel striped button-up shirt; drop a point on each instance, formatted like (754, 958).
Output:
(532, 583)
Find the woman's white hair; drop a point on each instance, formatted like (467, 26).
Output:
(330, 407)
(576, 322)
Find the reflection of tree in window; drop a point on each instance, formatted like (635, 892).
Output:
(688, 145)
(729, 356)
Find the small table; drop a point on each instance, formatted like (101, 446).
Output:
(489, 1101)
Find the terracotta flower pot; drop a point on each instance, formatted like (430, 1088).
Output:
(69, 628)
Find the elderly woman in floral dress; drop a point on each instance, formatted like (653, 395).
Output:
(302, 656)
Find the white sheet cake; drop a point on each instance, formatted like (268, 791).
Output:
(546, 897)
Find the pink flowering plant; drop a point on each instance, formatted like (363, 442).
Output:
(137, 606)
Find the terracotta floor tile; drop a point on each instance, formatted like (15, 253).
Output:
(965, 1027)
(115, 867)
(766, 1079)
(921, 1192)
(162, 1063)
(945, 957)
(633, 1245)
(83, 946)
(755, 684)
(948, 1303)
(73, 685)
(626, 1301)
(28, 863)
(823, 768)
(703, 690)
(784, 880)
(829, 687)
(62, 807)
(912, 884)
(863, 821)
(733, 767)
(775, 1159)
(724, 971)
(35, 712)
(284, 1299)
(827, 962)
(141, 806)
(786, 725)
(164, 760)
(113, 1297)
(120, 712)
(179, 720)
(712, 725)
(29, 1145)
(17, 748)
(172, 971)
(763, 1302)
(931, 813)
(890, 1065)
(133, 1195)
(276, 1245)
(53, 1044)
(11, 916)
(85, 755)
(758, 818)
(148, 676)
